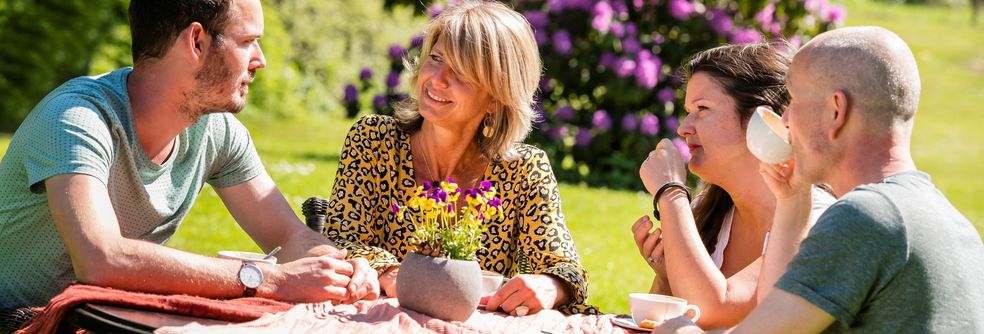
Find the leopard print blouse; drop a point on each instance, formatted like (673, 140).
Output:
(376, 167)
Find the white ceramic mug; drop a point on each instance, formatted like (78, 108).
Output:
(247, 256)
(659, 308)
(491, 281)
(767, 137)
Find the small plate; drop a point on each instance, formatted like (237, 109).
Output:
(628, 323)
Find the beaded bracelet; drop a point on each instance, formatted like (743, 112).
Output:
(668, 185)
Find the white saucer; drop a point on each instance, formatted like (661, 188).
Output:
(628, 323)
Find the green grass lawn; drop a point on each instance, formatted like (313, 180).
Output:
(302, 154)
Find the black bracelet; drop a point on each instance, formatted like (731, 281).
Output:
(668, 185)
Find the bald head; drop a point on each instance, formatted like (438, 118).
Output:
(871, 65)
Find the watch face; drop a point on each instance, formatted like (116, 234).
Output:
(251, 275)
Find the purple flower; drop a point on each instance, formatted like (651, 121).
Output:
(795, 42)
(658, 39)
(608, 60)
(647, 71)
(637, 4)
(495, 202)
(649, 125)
(435, 10)
(720, 22)
(396, 51)
(351, 94)
(765, 16)
(682, 147)
(618, 29)
(583, 138)
(486, 185)
(671, 124)
(620, 8)
(393, 79)
(379, 102)
(665, 95)
(541, 36)
(630, 45)
(365, 74)
(538, 19)
(629, 122)
(836, 14)
(562, 42)
(417, 41)
(545, 85)
(744, 36)
(396, 208)
(558, 133)
(601, 121)
(564, 112)
(680, 9)
(624, 67)
(630, 29)
(601, 19)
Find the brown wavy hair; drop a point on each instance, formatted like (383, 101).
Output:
(753, 75)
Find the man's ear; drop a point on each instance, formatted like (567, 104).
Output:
(195, 41)
(841, 106)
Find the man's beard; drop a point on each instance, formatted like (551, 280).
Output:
(214, 87)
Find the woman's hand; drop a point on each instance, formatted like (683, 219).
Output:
(527, 294)
(651, 248)
(387, 281)
(663, 165)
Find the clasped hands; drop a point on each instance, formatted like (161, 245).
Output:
(328, 277)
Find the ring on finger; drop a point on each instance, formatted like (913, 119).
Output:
(650, 259)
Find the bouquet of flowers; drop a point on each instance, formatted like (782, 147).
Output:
(442, 229)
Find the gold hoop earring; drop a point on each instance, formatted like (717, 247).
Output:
(487, 130)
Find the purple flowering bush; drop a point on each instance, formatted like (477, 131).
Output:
(611, 87)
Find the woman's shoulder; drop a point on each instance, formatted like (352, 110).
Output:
(376, 123)
(525, 154)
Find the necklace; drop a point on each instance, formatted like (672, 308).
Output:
(466, 172)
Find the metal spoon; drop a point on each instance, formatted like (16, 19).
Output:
(273, 252)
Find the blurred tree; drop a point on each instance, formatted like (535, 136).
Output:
(45, 42)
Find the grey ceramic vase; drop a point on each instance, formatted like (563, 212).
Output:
(439, 287)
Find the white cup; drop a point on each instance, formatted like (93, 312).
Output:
(767, 137)
(491, 281)
(659, 308)
(247, 256)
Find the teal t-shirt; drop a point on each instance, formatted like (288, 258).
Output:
(85, 126)
(893, 257)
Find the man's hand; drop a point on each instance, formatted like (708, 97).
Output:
(782, 181)
(311, 279)
(663, 165)
(527, 294)
(364, 283)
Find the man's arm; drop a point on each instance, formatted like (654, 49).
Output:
(780, 312)
(85, 219)
(263, 212)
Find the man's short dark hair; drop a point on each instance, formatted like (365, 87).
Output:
(155, 24)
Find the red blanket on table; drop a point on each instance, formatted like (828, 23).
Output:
(233, 310)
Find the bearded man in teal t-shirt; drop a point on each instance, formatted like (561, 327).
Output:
(104, 168)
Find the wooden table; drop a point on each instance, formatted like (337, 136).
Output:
(99, 318)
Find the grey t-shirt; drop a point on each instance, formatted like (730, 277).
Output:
(893, 257)
(86, 127)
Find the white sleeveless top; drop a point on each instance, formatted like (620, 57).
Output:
(821, 200)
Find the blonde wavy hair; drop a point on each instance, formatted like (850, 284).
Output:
(491, 45)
